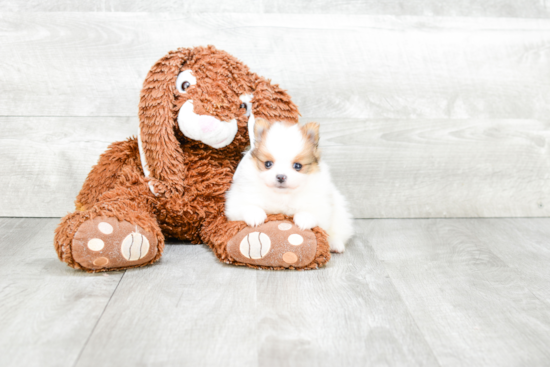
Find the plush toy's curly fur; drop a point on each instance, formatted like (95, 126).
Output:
(189, 178)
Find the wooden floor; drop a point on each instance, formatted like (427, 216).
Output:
(429, 292)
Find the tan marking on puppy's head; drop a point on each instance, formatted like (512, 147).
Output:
(308, 157)
(260, 154)
(311, 154)
(261, 126)
(285, 154)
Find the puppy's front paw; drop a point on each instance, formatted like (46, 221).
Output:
(305, 220)
(336, 246)
(254, 216)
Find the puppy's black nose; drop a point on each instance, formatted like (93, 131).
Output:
(281, 178)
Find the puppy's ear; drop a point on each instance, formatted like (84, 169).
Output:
(273, 103)
(311, 133)
(260, 128)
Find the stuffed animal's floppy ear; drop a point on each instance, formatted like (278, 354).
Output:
(273, 103)
(160, 151)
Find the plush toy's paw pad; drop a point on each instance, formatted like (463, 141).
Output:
(106, 243)
(274, 244)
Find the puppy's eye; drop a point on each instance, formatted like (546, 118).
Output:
(297, 166)
(243, 105)
(185, 85)
(268, 164)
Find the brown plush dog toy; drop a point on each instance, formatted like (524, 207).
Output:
(196, 110)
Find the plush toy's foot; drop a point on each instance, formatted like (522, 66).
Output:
(276, 244)
(104, 243)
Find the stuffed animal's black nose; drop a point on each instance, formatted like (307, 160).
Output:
(281, 178)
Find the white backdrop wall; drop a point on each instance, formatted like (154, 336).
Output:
(422, 115)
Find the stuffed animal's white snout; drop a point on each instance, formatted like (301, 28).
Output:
(208, 129)
(208, 123)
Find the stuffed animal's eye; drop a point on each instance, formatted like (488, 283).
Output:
(246, 103)
(185, 80)
(268, 164)
(297, 166)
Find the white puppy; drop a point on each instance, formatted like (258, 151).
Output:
(283, 173)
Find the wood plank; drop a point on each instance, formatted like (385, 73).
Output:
(489, 8)
(386, 168)
(521, 243)
(472, 308)
(44, 161)
(435, 168)
(334, 65)
(192, 310)
(47, 310)
(188, 309)
(348, 314)
(406, 292)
